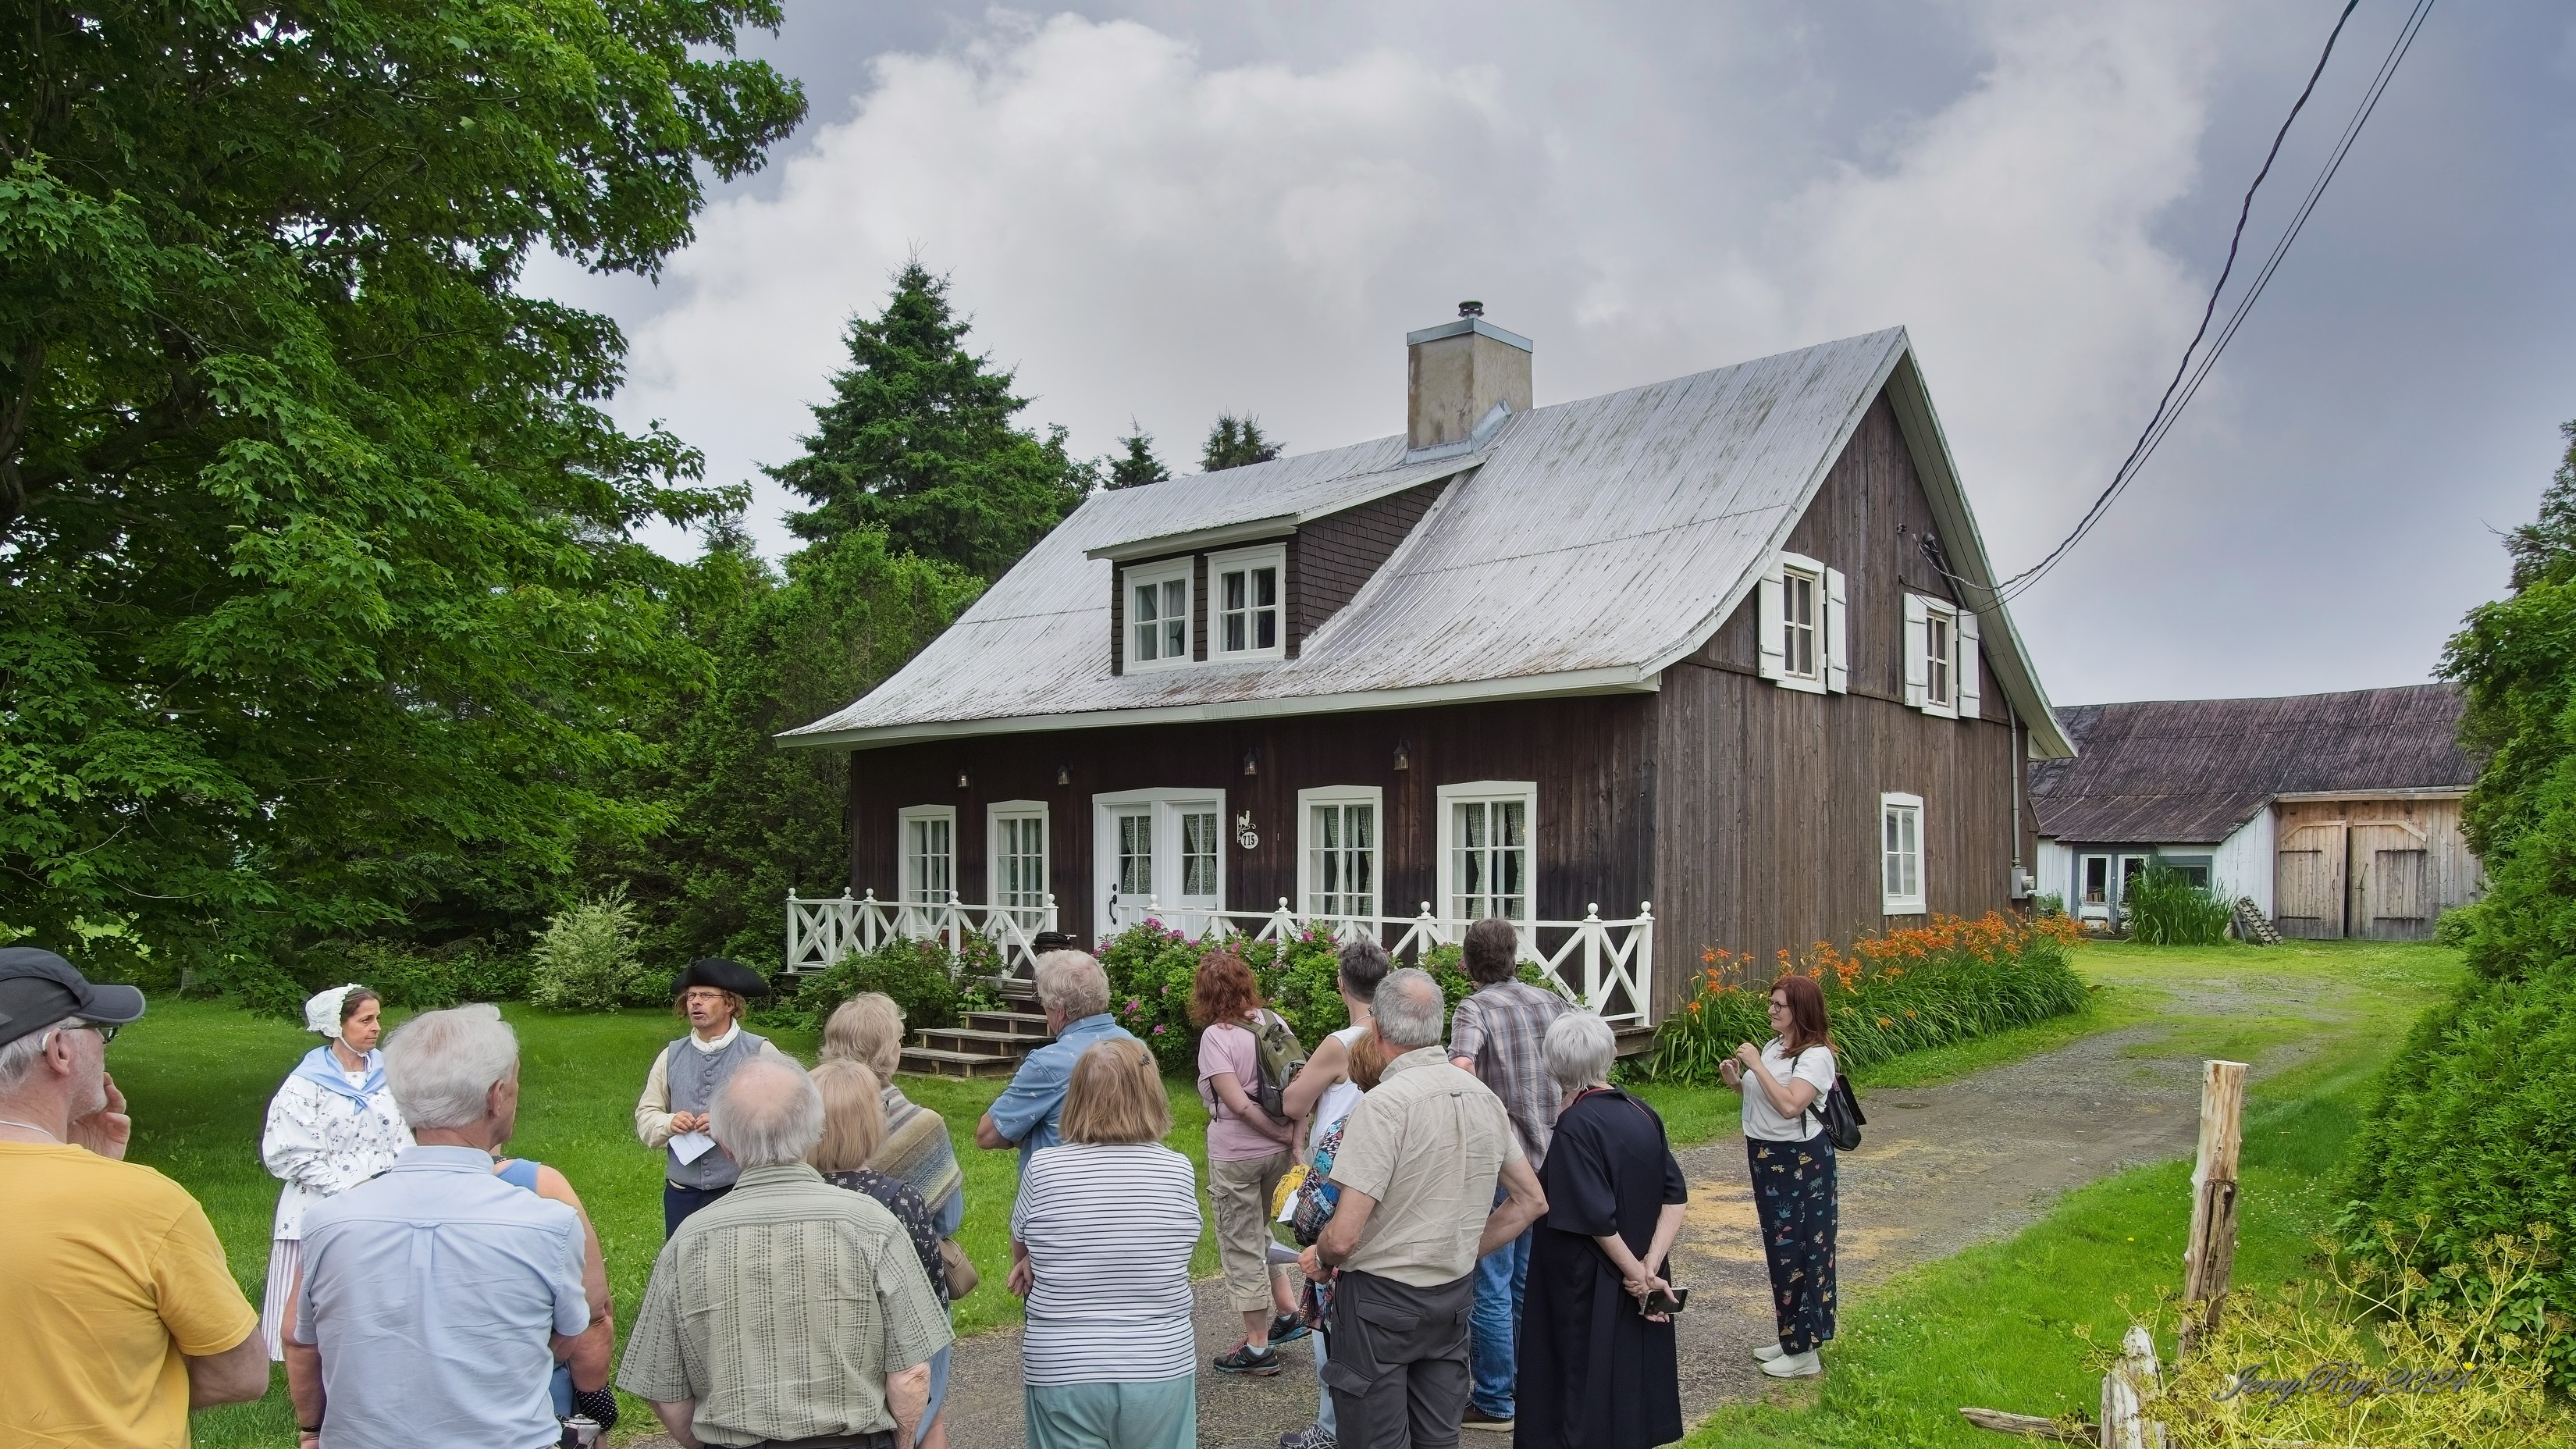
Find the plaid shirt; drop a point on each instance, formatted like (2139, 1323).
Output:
(1502, 1029)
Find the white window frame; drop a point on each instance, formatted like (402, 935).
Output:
(1922, 614)
(1893, 900)
(1244, 561)
(1189, 915)
(2085, 907)
(1830, 671)
(1370, 795)
(1180, 570)
(1445, 833)
(1030, 913)
(908, 886)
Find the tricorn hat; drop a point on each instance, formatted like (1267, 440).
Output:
(1045, 941)
(721, 974)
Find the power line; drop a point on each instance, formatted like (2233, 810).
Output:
(2188, 376)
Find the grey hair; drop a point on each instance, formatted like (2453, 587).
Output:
(18, 1059)
(1408, 1008)
(767, 1128)
(442, 1065)
(1072, 983)
(1578, 1049)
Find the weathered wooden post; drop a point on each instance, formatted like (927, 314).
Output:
(2210, 1254)
(2126, 1391)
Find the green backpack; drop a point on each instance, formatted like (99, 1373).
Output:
(1280, 1057)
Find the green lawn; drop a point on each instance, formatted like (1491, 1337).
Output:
(199, 1076)
(1996, 1326)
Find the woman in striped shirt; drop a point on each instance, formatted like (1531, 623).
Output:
(1110, 1205)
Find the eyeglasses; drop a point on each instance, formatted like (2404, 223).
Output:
(1779, 1006)
(106, 1031)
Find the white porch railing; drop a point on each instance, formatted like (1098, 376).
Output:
(1606, 965)
(821, 932)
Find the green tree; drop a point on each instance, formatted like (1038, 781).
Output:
(1139, 466)
(1233, 442)
(917, 442)
(317, 577)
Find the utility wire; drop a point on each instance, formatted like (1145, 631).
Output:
(2187, 377)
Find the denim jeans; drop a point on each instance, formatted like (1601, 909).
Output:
(1502, 1281)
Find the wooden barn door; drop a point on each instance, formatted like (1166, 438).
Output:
(2308, 881)
(2393, 895)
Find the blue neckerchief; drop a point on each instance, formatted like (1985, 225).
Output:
(322, 1070)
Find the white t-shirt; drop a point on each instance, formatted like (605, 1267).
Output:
(1109, 1231)
(1815, 1066)
(1339, 1098)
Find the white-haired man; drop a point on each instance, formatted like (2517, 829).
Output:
(124, 1316)
(1419, 1161)
(435, 1298)
(789, 1311)
(1074, 993)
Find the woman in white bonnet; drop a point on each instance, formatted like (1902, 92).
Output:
(332, 1126)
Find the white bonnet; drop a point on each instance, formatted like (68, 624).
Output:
(322, 1013)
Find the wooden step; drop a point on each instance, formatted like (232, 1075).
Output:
(1634, 1041)
(1011, 1044)
(935, 1062)
(1016, 1023)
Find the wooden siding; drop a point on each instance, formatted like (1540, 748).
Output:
(2376, 869)
(1336, 555)
(1591, 759)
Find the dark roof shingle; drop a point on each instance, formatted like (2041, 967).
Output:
(2191, 770)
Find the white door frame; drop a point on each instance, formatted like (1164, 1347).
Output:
(1188, 915)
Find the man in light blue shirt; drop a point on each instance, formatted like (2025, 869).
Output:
(1074, 993)
(434, 1297)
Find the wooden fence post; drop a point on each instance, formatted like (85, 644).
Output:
(2211, 1252)
(2126, 1391)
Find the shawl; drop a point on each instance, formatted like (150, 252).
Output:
(916, 1150)
(319, 1068)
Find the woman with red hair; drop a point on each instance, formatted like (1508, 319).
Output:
(1784, 1083)
(1247, 1153)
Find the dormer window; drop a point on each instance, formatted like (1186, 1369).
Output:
(1244, 616)
(1158, 615)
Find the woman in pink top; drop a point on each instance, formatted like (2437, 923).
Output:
(1247, 1155)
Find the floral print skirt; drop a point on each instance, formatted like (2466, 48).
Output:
(1793, 1197)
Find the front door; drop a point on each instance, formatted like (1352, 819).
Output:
(1161, 855)
(2308, 881)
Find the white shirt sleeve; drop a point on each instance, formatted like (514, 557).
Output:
(1815, 1067)
(653, 1108)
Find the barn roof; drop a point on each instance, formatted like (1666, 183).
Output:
(1583, 548)
(2180, 771)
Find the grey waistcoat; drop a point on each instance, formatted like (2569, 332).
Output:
(694, 1077)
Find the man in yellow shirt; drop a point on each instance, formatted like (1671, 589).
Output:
(127, 1317)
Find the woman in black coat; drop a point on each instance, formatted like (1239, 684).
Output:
(1596, 1371)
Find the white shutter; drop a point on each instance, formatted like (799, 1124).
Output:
(1837, 635)
(1918, 683)
(1767, 625)
(1967, 666)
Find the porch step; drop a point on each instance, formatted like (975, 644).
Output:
(1634, 1041)
(1014, 1023)
(936, 1062)
(1011, 1045)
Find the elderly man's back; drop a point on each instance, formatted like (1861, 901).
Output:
(780, 1310)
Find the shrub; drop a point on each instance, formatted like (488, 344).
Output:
(417, 980)
(1895, 993)
(587, 960)
(2164, 908)
(921, 976)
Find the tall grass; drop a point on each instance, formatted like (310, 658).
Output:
(1894, 993)
(2165, 908)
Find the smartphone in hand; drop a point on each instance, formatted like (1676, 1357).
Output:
(1664, 1300)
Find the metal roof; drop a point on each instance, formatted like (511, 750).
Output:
(1584, 547)
(2189, 771)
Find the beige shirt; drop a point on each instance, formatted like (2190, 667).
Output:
(781, 1308)
(1427, 1145)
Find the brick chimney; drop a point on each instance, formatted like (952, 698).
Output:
(1462, 379)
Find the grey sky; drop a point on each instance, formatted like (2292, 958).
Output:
(1161, 210)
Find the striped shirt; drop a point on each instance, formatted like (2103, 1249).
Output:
(1109, 1231)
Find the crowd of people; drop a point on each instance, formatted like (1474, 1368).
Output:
(1481, 1222)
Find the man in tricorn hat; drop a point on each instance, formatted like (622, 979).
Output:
(672, 1113)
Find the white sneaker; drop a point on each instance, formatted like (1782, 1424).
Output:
(1770, 1351)
(1795, 1366)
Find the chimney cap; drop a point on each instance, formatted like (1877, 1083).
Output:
(1471, 309)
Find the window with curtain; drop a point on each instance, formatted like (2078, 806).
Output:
(1245, 586)
(1158, 615)
(1135, 857)
(1198, 854)
(1020, 864)
(929, 857)
(1489, 859)
(1341, 850)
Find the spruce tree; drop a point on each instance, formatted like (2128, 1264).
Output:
(1140, 466)
(1234, 441)
(917, 441)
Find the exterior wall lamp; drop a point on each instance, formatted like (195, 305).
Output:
(1403, 756)
(1250, 762)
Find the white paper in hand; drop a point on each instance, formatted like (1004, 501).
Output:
(688, 1147)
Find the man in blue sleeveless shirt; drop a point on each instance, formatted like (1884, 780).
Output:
(672, 1113)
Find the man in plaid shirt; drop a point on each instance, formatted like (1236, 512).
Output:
(1498, 1034)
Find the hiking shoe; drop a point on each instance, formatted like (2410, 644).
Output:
(1770, 1351)
(1259, 1363)
(1476, 1418)
(1313, 1436)
(1287, 1328)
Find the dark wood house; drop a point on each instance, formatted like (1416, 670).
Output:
(2336, 814)
(1680, 667)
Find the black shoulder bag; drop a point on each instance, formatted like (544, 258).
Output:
(1840, 1112)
